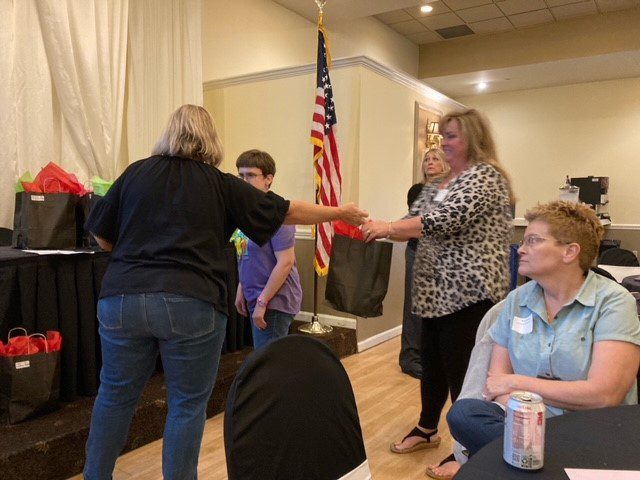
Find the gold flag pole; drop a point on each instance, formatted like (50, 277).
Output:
(315, 327)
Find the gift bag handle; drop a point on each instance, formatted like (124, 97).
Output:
(46, 345)
(16, 328)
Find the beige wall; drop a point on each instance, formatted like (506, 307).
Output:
(576, 130)
(246, 36)
(275, 115)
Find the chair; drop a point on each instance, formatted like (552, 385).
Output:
(619, 257)
(476, 375)
(513, 265)
(603, 272)
(291, 413)
(6, 235)
(636, 295)
(631, 283)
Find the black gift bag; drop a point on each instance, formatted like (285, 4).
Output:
(45, 220)
(358, 276)
(29, 385)
(85, 205)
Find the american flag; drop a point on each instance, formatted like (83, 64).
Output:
(325, 153)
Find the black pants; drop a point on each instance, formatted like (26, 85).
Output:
(409, 358)
(446, 346)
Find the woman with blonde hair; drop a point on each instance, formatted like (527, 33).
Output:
(166, 220)
(463, 222)
(434, 166)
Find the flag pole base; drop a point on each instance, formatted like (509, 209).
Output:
(315, 327)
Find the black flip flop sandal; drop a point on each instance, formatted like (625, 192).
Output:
(416, 432)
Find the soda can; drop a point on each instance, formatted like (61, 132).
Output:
(524, 431)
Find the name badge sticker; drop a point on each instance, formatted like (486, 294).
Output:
(441, 195)
(522, 325)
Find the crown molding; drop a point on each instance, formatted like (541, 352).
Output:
(624, 226)
(359, 61)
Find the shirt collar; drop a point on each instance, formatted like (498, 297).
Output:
(587, 293)
(533, 299)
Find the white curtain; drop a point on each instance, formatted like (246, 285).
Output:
(85, 42)
(27, 112)
(164, 67)
(86, 82)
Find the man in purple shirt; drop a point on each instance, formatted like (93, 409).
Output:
(269, 289)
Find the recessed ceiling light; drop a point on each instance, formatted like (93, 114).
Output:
(481, 86)
(426, 8)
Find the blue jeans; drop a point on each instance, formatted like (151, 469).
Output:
(474, 423)
(278, 324)
(188, 333)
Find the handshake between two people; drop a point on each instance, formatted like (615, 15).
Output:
(399, 230)
(371, 229)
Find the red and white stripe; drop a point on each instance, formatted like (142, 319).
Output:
(328, 178)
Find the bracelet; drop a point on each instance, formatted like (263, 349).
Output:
(389, 232)
(261, 303)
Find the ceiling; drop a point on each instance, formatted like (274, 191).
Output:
(487, 16)
(475, 18)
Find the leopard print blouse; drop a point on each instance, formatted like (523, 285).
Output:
(463, 255)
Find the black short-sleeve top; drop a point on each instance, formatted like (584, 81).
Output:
(169, 218)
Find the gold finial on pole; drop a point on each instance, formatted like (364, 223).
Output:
(320, 4)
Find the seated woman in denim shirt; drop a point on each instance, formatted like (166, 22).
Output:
(570, 335)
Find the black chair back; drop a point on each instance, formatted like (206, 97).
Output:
(291, 413)
(604, 273)
(619, 257)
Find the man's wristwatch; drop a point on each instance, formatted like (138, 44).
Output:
(261, 303)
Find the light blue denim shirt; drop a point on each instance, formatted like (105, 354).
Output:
(562, 350)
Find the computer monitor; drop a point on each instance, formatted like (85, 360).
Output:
(591, 189)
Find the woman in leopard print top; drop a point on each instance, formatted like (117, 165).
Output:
(461, 268)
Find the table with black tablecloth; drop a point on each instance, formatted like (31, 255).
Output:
(605, 438)
(60, 292)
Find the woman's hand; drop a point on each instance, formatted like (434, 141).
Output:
(498, 384)
(374, 229)
(350, 213)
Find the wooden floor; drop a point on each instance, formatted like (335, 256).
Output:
(388, 405)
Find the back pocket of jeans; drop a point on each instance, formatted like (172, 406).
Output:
(110, 312)
(189, 317)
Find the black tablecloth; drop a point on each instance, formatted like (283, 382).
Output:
(606, 438)
(60, 292)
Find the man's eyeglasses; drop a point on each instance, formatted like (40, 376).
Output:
(250, 175)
